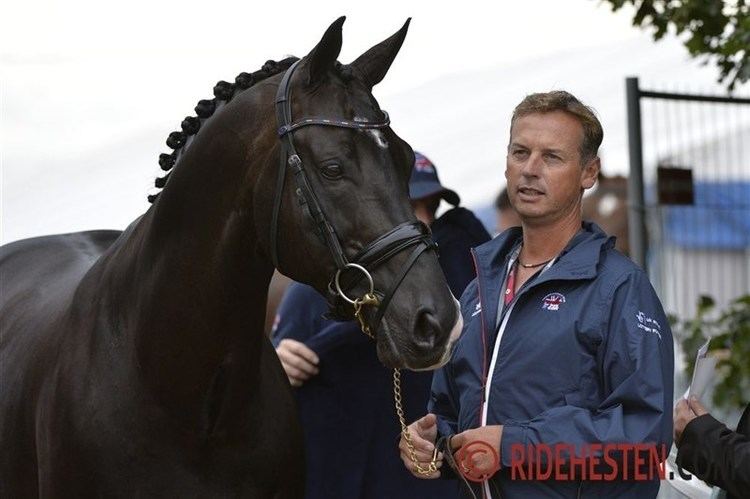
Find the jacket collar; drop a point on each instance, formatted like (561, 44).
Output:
(578, 261)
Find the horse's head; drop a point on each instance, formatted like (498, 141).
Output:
(345, 188)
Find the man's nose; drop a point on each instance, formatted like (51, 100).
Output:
(533, 165)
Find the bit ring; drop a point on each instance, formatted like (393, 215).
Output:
(361, 269)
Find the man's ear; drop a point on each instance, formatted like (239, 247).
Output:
(591, 173)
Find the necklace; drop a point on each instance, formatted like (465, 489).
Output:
(533, 265)
(530, 265)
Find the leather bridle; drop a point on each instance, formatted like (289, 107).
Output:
(349, 272)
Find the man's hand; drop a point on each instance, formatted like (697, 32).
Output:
(423, 434)
(299, 362)
(684, 412)
(481, 463)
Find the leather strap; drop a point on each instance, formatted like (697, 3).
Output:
(386, 246)
(289, 155)
(416, 253)
(381, 250)
(356, 125)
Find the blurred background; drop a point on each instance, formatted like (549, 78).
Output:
(90, 90)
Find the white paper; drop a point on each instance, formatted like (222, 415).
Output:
(703, 373)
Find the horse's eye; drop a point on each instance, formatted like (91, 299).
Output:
(332, 171)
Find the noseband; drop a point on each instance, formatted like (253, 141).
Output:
(349, 273)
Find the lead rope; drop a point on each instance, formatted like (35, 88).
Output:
(432, 467)
(359, 304)
(370, 299)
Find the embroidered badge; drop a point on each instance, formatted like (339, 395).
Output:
(422, 164)
(648, 324)
(553, 301)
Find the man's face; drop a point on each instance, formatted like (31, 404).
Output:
(543, 168)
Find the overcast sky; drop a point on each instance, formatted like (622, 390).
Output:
(89, 90)
(468, 34)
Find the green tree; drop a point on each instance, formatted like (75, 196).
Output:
(730, 342)
(716, 31)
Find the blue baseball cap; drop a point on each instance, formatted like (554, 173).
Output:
(424, 181)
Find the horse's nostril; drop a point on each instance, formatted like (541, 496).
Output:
(427, 329)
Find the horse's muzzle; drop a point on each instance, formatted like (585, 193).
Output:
(452, 339)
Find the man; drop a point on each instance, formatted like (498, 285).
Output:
(565, 344)
(608, 207)
(710, 450)
(345, 395)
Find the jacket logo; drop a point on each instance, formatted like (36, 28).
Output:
(648, 324)
(477, 309)
(553, 301)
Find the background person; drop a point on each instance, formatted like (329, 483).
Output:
(711, 451)
(505, 216)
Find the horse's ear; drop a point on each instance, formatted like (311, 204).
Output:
(323, 56)
(374, 64)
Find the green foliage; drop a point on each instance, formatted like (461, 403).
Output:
(716, 30)
(730, 342)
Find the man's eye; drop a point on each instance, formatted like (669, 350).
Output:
(332, 171)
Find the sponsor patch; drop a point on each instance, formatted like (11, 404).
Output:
(477, 309)
(553, 301)
(648, 324)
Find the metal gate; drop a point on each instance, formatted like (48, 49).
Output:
(689, 194)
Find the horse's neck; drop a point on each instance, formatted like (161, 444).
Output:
(200, 284)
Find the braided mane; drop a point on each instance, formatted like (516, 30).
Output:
(223, 92)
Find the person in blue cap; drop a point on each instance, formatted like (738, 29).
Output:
(456, 231)
(344, 394)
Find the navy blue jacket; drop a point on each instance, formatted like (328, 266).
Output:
(347, 409)
(586, 357)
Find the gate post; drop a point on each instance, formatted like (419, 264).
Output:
(636, 205)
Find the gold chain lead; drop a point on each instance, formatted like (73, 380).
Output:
(369, 299)
(432, 467)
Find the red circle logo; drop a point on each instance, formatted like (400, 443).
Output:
(467, 467)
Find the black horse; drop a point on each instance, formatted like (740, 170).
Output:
(134, 363)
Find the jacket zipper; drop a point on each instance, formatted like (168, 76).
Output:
(484, 332)
(484, 486)
(487, 370)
